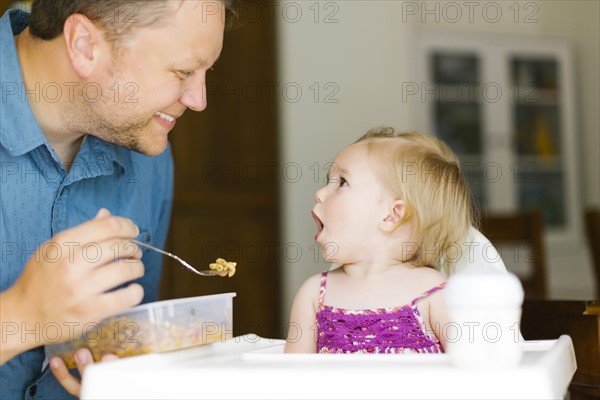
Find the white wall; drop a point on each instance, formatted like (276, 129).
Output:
(359, 52)
(579, 22)
(361, 56)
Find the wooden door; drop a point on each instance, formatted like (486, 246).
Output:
(4, 5)
(226, 191)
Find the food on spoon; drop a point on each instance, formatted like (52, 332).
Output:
(223, 267)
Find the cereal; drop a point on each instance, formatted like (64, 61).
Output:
(223, 267)
(154, 328)
(125, 337)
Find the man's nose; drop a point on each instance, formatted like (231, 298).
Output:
(194, 96)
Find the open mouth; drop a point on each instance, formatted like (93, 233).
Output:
(319, 224)
(166, 117)
(166, 120)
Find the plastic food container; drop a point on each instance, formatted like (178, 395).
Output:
(154, 327)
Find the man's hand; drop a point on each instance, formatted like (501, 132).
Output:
(66, 283)
(83, 358)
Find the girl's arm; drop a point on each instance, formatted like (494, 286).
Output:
(302, 332)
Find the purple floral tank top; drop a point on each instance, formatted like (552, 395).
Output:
(382, 330)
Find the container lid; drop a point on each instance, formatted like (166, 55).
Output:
(176, 302)
(483, 288)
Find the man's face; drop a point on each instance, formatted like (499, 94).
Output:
(160, 72)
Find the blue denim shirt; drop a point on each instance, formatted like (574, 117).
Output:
(38, 198)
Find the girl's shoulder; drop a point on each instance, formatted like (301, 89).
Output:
(313, 281)
(309, 292)
(427, 277)
(309, 289)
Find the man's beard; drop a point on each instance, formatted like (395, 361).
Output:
(97, 120)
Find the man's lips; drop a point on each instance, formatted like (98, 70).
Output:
(166, 117)
(167, 120)
(319, 224)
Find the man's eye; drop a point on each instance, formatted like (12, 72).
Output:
(185, 74)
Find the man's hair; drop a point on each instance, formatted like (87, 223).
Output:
(116, 17)
(422, 171)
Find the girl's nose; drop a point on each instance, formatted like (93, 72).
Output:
(320, 195)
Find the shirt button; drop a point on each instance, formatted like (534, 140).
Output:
(33, 390)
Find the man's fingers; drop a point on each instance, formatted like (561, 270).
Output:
(64, 377)
(103, 212)
(112, 275)
(112, 303)
(99, 254)
(109, 357)
(121, 299)
(83, 358)
(97, 230)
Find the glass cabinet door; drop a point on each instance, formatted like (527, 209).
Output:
(506, 105)
(537, 137)
(457, 113)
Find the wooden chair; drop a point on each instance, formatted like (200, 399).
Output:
(592, 227)
(521, 228)
(580, 319)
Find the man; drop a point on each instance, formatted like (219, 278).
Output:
(90, 91)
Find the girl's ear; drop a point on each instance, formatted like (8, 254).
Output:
(83, 42)
(395, 217)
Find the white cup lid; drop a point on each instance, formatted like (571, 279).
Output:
(483, 288)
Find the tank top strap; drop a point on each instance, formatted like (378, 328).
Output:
(427, 293)
(322, 289)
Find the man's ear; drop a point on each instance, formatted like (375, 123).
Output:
(83, 41)
(395, 217)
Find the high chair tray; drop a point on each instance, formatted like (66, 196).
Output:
(251, 367)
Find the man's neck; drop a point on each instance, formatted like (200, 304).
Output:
(38, 74)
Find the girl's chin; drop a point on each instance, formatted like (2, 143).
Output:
(330, 252)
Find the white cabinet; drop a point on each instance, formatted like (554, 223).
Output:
(505, 104)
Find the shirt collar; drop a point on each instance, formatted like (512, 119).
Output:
(96, 150)
(19, 131)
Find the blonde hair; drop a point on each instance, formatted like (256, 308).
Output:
(422, 171)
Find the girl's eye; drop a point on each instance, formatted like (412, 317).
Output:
(339, 180)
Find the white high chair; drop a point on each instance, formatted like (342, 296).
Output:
(479, 253)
